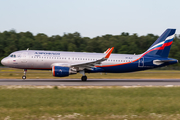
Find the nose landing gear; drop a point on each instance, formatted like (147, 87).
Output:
(24, 76)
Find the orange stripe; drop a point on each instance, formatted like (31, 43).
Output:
(113, 65)
(119, 64)
(107, 50)
(110, 51)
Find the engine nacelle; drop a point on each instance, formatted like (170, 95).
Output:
(59, 71)
(62, 71)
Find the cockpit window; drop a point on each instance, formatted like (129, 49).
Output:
(12, 55)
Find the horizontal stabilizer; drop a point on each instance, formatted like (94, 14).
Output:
(159, 62)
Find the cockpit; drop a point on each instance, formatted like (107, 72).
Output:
(12, 55)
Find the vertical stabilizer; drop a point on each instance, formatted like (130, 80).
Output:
(162, 45)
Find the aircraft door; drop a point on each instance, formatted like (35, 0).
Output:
(141, 62)
(24, 57)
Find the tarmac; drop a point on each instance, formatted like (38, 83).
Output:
(91, 82)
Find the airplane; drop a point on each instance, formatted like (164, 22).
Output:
(64, 64)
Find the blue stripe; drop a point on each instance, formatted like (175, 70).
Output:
(170, 40)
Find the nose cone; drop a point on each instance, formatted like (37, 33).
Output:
(3, 62)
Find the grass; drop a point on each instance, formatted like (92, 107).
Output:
(10, 73)
(113, 103)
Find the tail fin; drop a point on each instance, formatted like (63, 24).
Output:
(162, 45)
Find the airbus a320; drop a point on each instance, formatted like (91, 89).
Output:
(64, 64)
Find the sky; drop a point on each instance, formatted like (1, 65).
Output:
(90, 18)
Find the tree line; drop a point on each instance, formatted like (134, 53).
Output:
(123, 43)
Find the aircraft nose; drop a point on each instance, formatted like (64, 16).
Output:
(3, 62)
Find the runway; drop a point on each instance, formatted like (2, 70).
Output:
(91, 82)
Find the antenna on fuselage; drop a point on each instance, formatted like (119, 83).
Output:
(27, 49)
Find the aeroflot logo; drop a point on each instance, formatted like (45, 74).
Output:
(47, 53)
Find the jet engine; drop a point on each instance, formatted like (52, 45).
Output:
(59, 71)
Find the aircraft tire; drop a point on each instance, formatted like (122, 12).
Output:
(84, 78)
(23, 77)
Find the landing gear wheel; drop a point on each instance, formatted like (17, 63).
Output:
(23, 77)
(84, 78)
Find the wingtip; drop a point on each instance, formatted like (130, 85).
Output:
(109, 52)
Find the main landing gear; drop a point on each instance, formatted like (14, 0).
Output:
(84, 77)
(24, 76)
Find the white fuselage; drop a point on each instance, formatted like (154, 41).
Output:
(35, 59)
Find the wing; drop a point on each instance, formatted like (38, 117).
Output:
(89, 65)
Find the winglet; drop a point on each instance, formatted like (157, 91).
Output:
(108, 52)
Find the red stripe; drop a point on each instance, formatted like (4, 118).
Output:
(159, 48)
(53, 70)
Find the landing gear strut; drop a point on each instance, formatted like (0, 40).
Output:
(24, 76)
(84, 77)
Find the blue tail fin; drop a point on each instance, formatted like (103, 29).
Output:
(162, 45)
